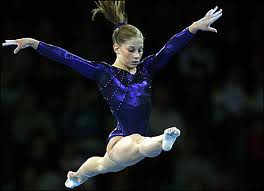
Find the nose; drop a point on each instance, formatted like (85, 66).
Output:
(136, 54)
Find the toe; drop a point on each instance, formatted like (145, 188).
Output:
(68, 183)
(70, 174)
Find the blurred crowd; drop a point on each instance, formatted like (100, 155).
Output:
(53, 118)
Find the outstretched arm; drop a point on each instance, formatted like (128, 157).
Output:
(180, 39)
(87, 68)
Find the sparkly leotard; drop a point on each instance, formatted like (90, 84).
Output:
(128, 95)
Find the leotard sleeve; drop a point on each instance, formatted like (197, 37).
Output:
(90, 69)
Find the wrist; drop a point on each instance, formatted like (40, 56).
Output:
(193, 28)
(33, 43)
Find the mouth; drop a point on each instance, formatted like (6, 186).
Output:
(135, 62)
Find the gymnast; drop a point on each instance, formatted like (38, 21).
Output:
(125, 86)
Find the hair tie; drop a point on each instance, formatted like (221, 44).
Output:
(118, 25)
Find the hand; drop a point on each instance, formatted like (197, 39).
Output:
(21, 43)
(204, 23)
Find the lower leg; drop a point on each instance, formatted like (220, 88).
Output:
(88, 169)
(152, 146)
(92, 167)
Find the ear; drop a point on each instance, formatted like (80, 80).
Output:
(116, 48)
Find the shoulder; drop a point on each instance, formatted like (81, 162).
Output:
(100, 65)
(147, 60)
(105, 69)
(146, 64)
(104, 66)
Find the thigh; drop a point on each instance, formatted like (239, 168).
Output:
(112, 142)
(110, 165)
(125, 151)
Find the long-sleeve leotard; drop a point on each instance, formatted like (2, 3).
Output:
(128, 95)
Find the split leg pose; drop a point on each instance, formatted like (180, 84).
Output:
(122, 152)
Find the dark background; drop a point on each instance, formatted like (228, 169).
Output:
(53, 119)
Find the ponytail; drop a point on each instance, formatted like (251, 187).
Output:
(114, 11)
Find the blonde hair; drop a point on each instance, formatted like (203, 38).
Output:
(114, 11)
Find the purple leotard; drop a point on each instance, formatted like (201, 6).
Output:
(128, 95)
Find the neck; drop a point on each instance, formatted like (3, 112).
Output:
(117, 64)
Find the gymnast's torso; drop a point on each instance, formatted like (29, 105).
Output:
(129, 98)
(128, 95)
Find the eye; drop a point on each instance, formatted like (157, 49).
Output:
(133, 50)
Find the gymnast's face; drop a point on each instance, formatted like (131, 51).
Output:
(130, 52)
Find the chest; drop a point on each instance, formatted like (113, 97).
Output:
(121, 83)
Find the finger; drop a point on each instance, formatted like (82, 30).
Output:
(9, 43)
(6, 44)
(215, 18)
(217, 13)
(208, 13)
(17, 50)
(212, 29)
(211, 11)
(216, 7)
(10, 40)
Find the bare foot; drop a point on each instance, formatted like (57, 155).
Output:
(72, 181)
(169, 138)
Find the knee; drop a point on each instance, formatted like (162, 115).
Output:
(101, 167)
(106, 165)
